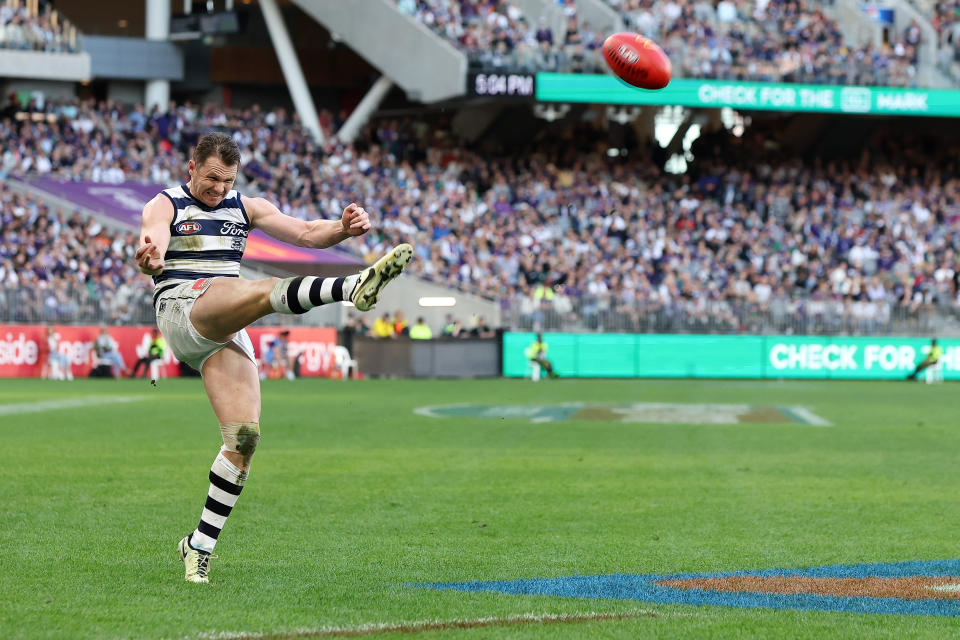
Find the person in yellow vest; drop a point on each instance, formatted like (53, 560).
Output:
(543, 292)
(449, 327)
(420, 330)
(537, 352)
(933, 357)
(383, 327)
(155, 351)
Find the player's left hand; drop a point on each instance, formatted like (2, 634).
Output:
(355, 220)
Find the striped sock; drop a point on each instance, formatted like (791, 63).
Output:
(226, 482)
(299, 295)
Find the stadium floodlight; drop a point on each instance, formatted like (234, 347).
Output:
(437, 301)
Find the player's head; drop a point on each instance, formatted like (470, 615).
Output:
(213, 168)
(933, 341)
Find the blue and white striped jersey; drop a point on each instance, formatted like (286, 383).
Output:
(205, 242)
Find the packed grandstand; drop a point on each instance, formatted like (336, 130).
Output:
(552, 229)
(557, 230)
(773, 41)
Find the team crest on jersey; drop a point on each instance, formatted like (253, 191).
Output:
(189, 227)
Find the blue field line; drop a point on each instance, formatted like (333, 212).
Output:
(643, 588)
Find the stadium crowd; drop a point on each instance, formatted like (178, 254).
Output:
(556, 228)
(59, 267)
(497, 36)
(770, 40)
(42, 30)
(946, 20)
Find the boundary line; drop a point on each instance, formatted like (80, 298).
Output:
(435, 625)
(66, 403)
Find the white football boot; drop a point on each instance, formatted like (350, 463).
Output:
(197, 563)
(375, 277)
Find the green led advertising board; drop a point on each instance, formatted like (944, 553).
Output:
(606, 89)
(607, 355)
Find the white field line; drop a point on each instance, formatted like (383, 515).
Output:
(809, 416)
(56, 405)
(422, 626)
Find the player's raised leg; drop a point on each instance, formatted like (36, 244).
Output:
(231, 304)
(231, 381)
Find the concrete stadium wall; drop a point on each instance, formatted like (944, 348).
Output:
(426, 66)
(41, 65)
(444, 358)
(133, 58)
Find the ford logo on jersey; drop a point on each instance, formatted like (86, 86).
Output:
(187, 228)
(232, 229)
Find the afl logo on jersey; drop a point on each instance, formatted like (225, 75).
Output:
(186, 228)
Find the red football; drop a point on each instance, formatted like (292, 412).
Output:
(637, 60)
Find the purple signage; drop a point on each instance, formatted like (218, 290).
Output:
(124, 202)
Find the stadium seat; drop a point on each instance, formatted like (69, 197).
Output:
(344, 362)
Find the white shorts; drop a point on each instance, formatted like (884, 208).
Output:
(173, 319)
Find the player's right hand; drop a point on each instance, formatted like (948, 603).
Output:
(148, 258)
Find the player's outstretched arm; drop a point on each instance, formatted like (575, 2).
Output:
(315, 234)
(154, 235)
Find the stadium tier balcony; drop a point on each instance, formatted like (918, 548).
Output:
(29, 26)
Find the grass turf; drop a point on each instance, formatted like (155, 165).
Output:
(353, 497)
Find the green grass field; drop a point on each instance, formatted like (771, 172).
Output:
(353, 499)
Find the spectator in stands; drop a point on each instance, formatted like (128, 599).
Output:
(360, 327)
(451, 327)
(481, 329)
(56, 364)
(544, 32)
(400, 325)
(383, 327)
(106, 352)
(420, 330)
